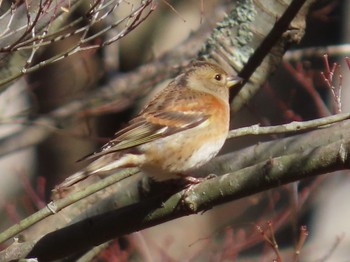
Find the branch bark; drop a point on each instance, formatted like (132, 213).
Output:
(298, 161)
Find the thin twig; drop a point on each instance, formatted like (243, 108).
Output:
(292, 127)
(55, 206)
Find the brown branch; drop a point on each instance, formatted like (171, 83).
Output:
(257, 41)
(291, 159)
(267, 174)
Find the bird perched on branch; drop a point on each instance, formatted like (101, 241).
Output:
(180, 129)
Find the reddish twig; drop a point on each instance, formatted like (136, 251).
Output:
(270, 239)
(302, 238)
(327, 76)
(307, 84)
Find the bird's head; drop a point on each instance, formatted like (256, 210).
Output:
(210, 78)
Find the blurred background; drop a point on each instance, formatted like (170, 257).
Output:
(228, 232)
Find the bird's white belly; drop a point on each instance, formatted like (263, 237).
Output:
(205, 153)
(179, 153)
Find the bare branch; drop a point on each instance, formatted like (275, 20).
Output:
(272, 172)
(292, 127)
(35, 36)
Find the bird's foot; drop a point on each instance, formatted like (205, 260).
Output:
(191, 182)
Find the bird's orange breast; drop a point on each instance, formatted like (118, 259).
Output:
(191, 148)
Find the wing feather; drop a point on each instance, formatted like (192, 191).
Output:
(143, 131)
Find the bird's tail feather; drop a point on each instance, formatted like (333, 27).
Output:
(101, 165)
(73, 179)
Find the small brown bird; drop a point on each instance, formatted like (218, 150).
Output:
(181, 129)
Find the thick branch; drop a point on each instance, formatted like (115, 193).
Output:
(265, 175)
(258, 41)
(249, 171)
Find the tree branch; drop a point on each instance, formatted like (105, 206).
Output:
(270, 173)
(293, 158)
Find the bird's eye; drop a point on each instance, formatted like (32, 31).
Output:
(218, 77)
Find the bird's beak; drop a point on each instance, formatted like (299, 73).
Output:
(233, 80)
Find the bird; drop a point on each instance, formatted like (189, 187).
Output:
(183, 127)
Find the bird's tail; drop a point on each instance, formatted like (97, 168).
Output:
(100, 166)
(73, 179)
(65, 188)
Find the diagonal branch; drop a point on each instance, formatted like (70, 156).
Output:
(293, 158)
(258, 177)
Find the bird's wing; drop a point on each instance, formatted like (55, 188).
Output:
(154, 122)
